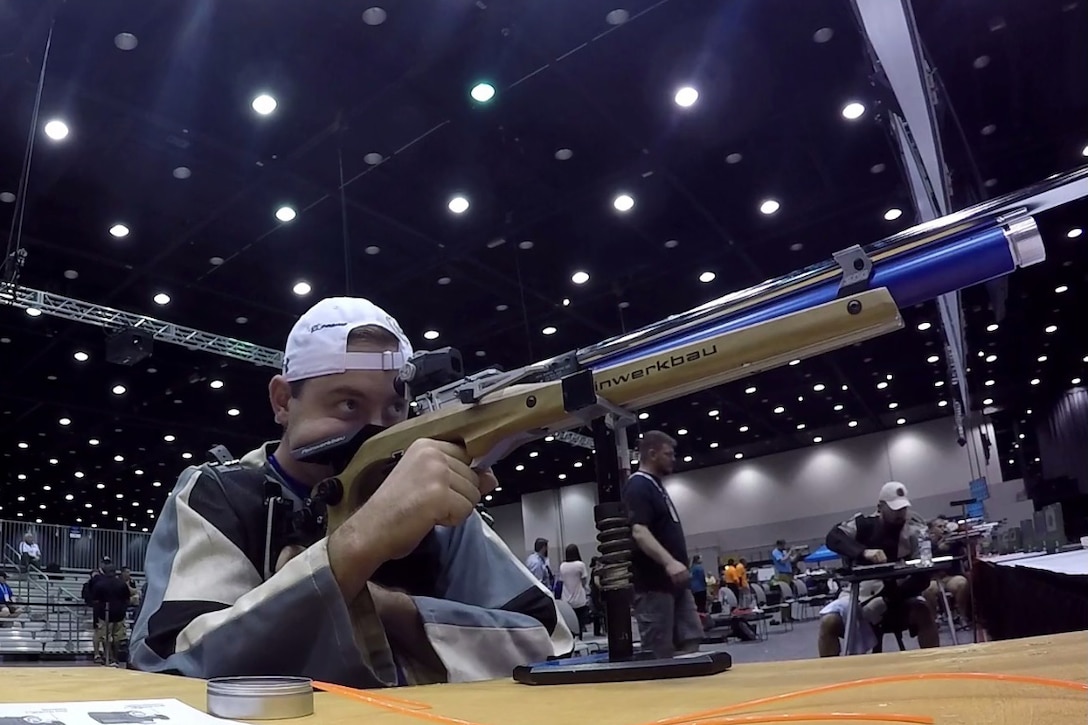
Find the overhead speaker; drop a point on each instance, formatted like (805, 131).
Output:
(129, 346)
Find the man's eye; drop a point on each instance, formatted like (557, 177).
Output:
(349, 406)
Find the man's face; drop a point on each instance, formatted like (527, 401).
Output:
(664, 458)
(335, 404)
(893, 517)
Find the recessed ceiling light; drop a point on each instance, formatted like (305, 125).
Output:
(988, 401)
(169, 438)
(502, 307)
(302, 288)
(1060, 289)
(119, 458)
(374, 16)
(838, 407)
(430, 335)
(991, 358)
(643, 415)
(232, 412)
(687, 459)
(65, 421)
(769, 206)
(286, 214)
(800, 426)
(1043, 358)
(458, 205)
(901, 421)
(162, 298)
(566, 301)
(852, 424)
(216, 261)
(877, 169)
(714, 413)
(779, 410)
(372, 250)
(892, 214)
(881, 385)
(1051, 328)
(707, 277)
(125, 41)
(563, 154)
(533, 454)
(682, 432)
(519, 467)
(734, 158)
(823, 35)
(119, 230)
(264, 104)
(33, 311)
(686, 97)
(1084, 151)
(923, 326)
(818, 439)
(853, 111)
(549, 330)
(23, 445)
(989, 129)
(7, 197)
(981, 62)
(182, 172)
(93, 442)
(992, 327)
(990, 183)
(932, 359)
(119, 389)
(938, 384)
(241, 320)
(53, 461)
(443, 281)
(942, 403)
(893, 405)
(714, 445)
(525, 245)
(81, 356)
(750, 389)
(373, 158)
(56, 129)
(738, 456)
(744, 429)
(1035, 381)
(215, 384)
(482, 92)
(617, 17)
(1076, 381)
(79, 474)
(579, 277)
(1074, 232)
(623, 202)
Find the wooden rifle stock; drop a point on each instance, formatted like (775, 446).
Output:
(512, 416)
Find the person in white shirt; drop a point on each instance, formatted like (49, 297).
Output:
(30, 554)
(575, 578)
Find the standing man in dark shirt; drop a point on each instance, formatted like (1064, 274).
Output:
(109, 597)
(668, 623)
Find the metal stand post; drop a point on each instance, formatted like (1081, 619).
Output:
(616, 545)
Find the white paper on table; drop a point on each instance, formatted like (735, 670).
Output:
(107, 712)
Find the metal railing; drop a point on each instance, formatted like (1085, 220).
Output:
(76, 547)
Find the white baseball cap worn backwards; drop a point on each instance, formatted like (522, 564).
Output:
(318, 343)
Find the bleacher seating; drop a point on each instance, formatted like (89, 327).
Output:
(56, 623)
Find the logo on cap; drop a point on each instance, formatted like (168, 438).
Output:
(900, 491)
(324, 325)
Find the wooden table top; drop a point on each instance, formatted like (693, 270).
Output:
(504, 702)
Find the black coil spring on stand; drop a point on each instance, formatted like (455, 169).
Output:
(616, 545)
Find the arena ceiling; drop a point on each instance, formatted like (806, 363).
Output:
(618, 171)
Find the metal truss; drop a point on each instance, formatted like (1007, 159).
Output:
(88, 313)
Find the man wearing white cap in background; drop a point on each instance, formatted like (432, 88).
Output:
(891, 534)
(412, 588)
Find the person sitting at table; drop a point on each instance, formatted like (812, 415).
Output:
(889, 535)
(953, 580)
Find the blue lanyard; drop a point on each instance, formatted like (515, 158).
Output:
(300, 490)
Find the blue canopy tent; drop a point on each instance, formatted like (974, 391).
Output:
(821, 554)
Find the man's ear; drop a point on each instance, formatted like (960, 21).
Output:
(279, 396)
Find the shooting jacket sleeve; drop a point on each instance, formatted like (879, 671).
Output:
(208, 613)
(843, 539)
(490, 613)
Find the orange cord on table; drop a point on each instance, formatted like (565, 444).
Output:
(821, 717)
(393, 704)
(701, 717)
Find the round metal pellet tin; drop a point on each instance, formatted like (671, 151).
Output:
(260, 698)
